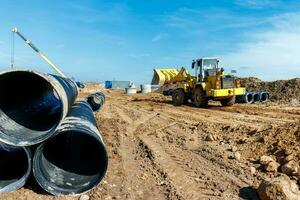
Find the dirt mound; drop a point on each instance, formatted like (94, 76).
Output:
(91, 87)
(279, 142)
(284, 91)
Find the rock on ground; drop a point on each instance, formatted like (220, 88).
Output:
(272, 167)
(264, 160)
(289, 168)
(280, 187)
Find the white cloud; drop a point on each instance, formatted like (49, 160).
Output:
(271, 54)
(159, 37)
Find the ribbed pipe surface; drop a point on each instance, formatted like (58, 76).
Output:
(32, 105)
(15, 167)
(74, 160)
(246, 98)
(96, 101)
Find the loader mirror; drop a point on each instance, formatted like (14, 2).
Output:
(193, 64)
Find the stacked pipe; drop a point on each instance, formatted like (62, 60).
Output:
(253, 97)
(40, 111)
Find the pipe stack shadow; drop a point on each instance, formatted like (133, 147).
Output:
(40, 110)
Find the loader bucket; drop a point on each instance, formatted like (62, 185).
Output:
(162, 76)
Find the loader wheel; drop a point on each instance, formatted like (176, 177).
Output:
(199, 98)
(228, 102)
(186, 100)
(178, 97)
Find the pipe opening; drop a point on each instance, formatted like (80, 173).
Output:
(71, 162)
(14, 166)
(256, 97)
(94, 102)
(248, 98)
(28, 101)
(264, 96)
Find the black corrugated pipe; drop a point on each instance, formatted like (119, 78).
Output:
(96, 100)
(32, 105)
(264, 96)
(256, 97)
(246, 98)
(74, 160)
(15, 167)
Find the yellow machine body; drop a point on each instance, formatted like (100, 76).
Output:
(172, 79)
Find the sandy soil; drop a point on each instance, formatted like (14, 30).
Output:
(158, 151)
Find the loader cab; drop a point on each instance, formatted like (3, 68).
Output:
(205, 67)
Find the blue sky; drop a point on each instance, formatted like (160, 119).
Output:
(104, 40)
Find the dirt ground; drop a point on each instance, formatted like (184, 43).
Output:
(158, 151)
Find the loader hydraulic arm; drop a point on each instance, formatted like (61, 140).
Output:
(56, 69)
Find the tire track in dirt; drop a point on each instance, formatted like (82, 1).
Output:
(219, 117)
(133, 159)
(235, 114)
(183, 184)
(183, 167)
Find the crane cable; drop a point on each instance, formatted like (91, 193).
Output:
(12, 58)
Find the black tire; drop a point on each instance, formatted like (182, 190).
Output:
(199, 98)
(186, 100)
(178, 97)
(228, 102)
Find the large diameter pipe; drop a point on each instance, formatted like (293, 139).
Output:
(32, 105)
(256, 97)
(264, 96)
(96, 101)
(74, 160)
(246, 98)
(15, 167)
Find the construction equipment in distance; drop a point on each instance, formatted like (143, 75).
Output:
(209, 83)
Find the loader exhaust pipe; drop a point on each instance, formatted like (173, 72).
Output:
(75, 159)
(96, 101)
(264, 96)
(15, 167)
(256, 97)
(32, 105)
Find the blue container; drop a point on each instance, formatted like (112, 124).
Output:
(108, 84)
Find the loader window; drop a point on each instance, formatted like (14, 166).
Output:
(210, 64)
(210, 67)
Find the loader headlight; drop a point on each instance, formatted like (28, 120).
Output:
(218, 84)
(238, 83)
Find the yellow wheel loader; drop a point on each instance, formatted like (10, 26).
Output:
(209, 83)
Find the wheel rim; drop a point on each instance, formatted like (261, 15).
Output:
(198, 97)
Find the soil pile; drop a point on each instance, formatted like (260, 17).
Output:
(278, 141)
(284, 91)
